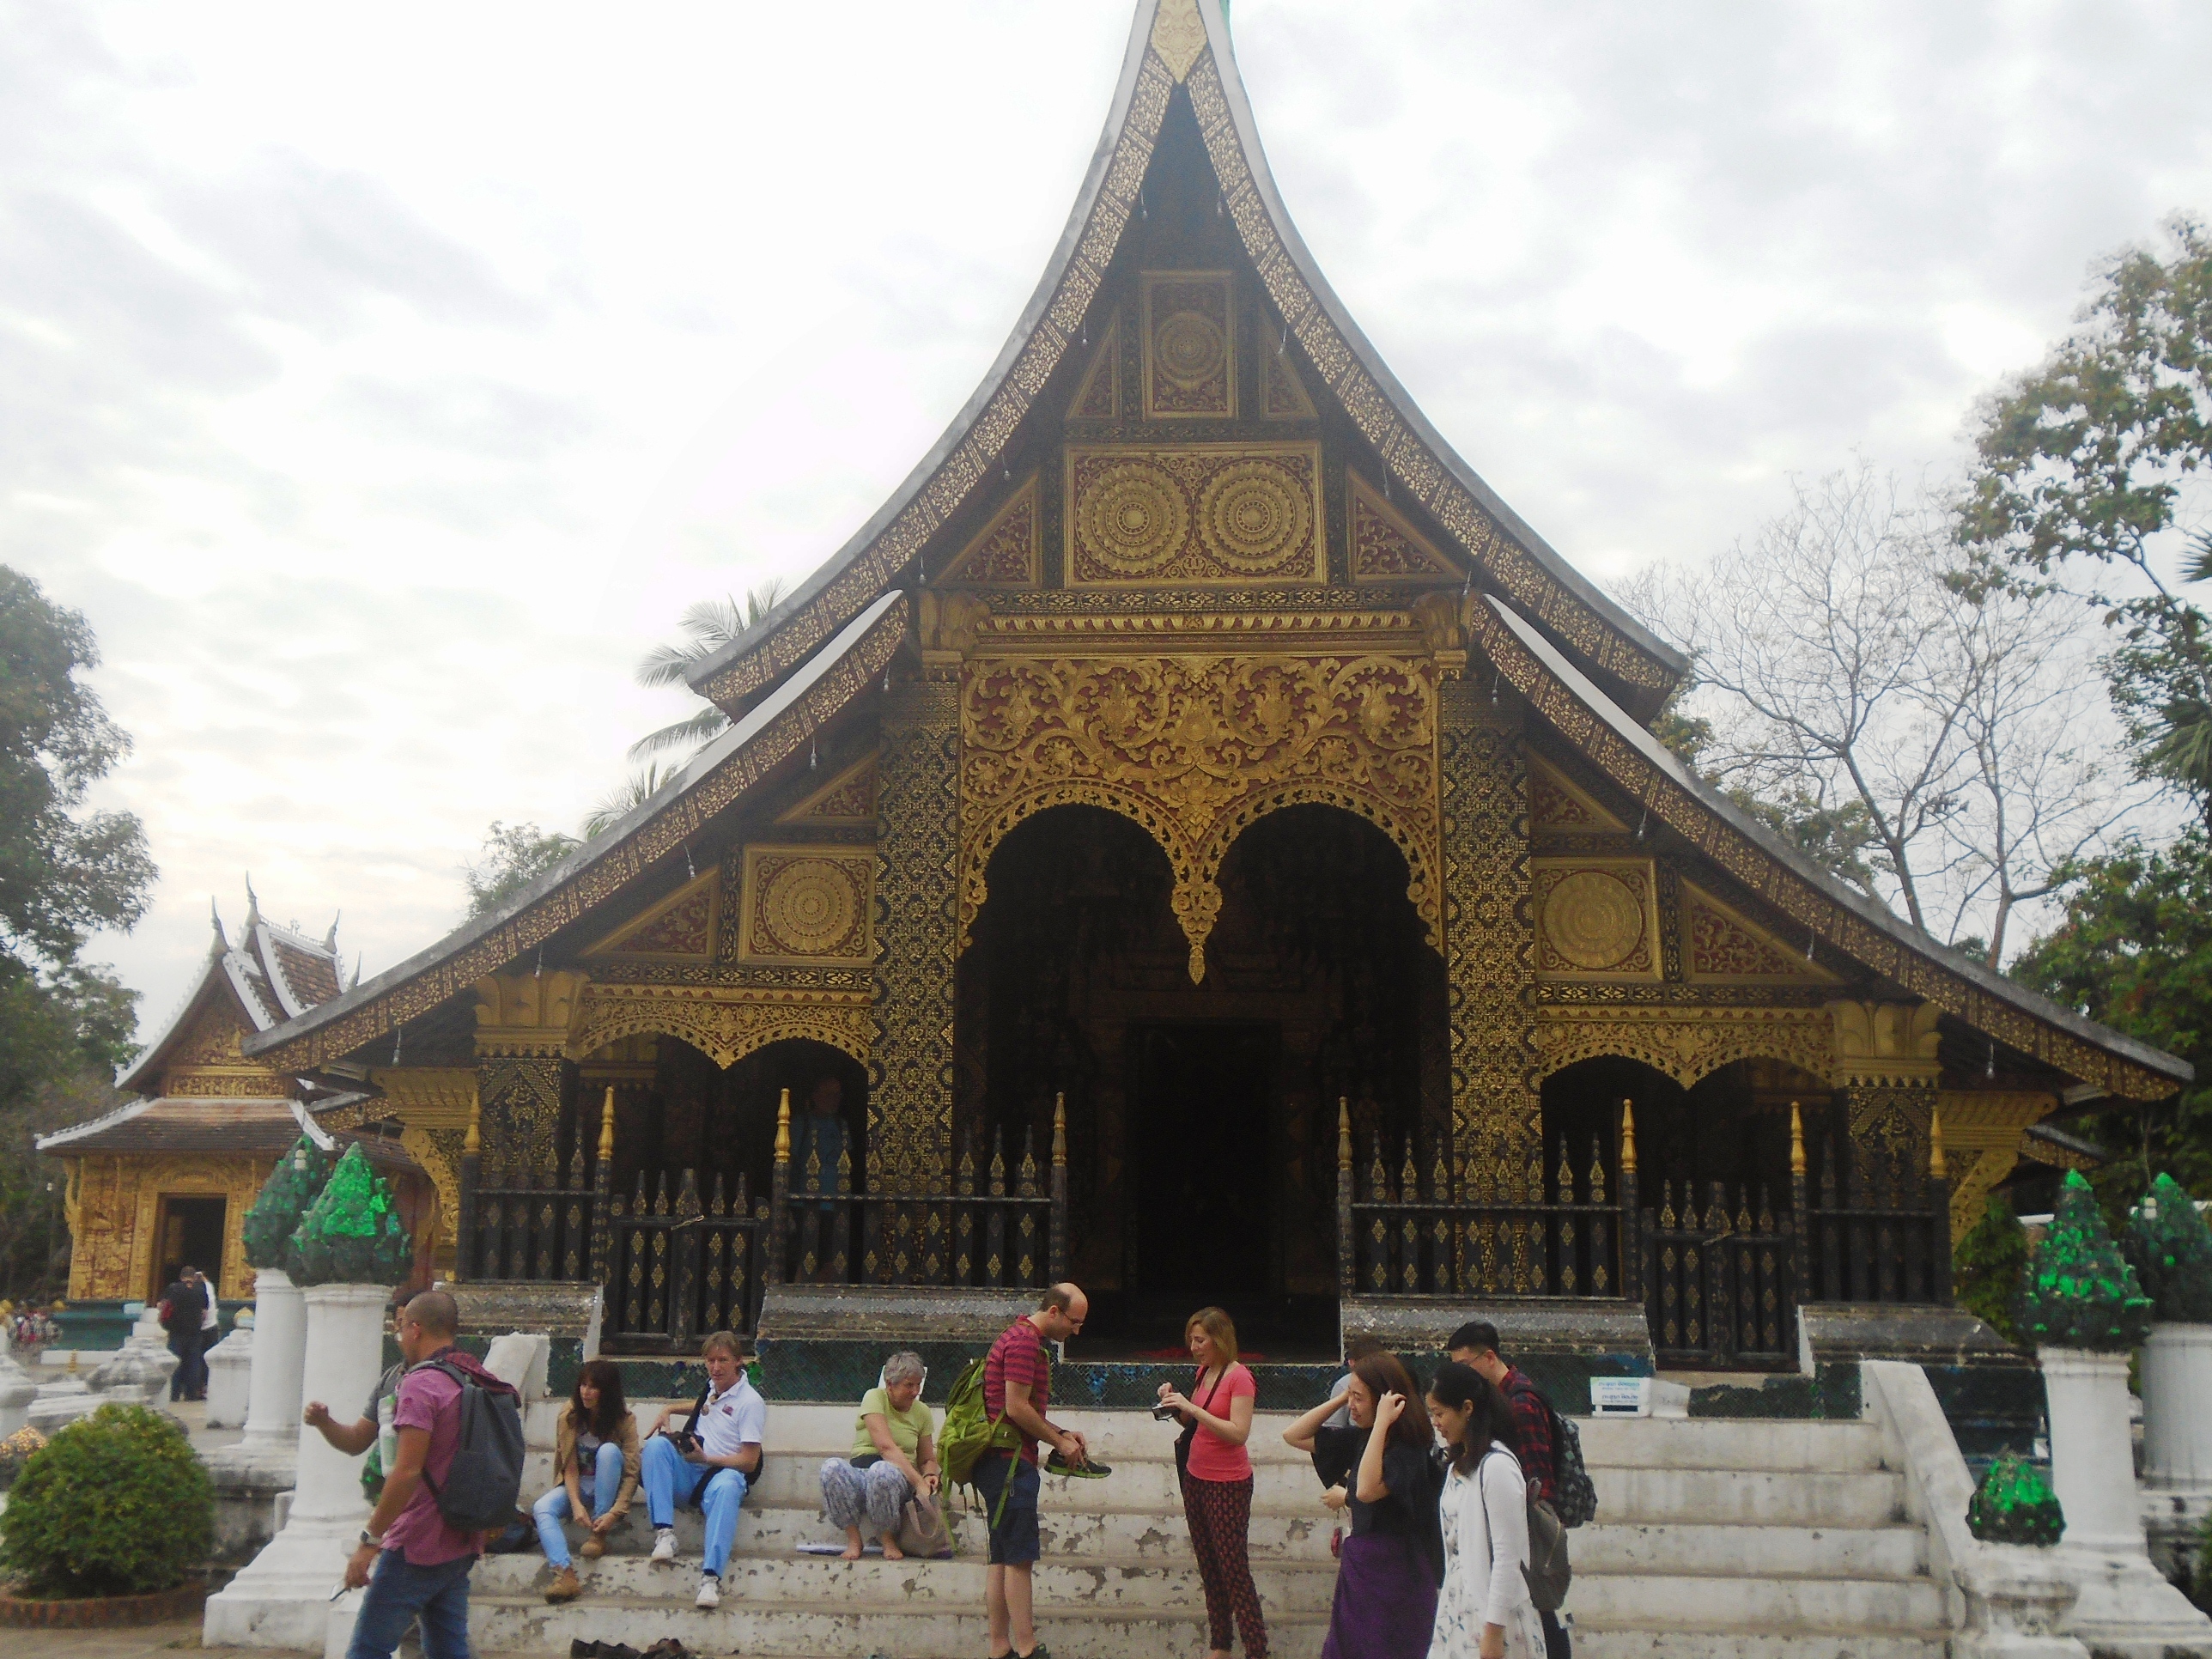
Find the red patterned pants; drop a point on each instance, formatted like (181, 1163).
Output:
(1220, 1514)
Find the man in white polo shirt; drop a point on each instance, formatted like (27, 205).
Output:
(705, 1461)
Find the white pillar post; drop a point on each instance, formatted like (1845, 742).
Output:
(2176, 1396)
(270, 1448)
(281, 1600)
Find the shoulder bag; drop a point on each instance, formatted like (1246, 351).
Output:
(1190, 1430)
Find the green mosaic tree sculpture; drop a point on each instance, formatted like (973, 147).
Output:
(2170, 1248)
(2014, 1504)
(2080, 1292)
(352, 1234)
(293, 1186)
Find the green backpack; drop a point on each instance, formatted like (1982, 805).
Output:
(970, 1431)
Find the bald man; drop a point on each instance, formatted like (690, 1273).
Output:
(416, 1565)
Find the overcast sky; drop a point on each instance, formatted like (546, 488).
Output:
(382, 382)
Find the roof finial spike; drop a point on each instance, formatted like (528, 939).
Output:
(252, 906)
(355, 986)
(214, 915)
(331, 938)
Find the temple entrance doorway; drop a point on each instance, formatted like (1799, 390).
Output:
(1201, 1118)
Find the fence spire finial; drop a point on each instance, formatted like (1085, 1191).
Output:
(1343, 1131)
(1937, 1169)
(1627, 1137)
(1797, 1141)
(783, 1128)
(607, 1127)
(1059, 1131)
(474, 1142)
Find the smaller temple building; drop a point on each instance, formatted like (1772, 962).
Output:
(166, 1180)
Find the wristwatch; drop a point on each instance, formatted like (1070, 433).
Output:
(371, 1538)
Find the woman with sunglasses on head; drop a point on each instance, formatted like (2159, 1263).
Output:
(1216, 1474)
(595, 1469)
(1388, 1570)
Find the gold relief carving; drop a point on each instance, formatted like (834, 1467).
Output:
(1194, 749)
(848, 801)
(1558, 804)
(1282, 394)
(1005, 551)
(1099, 396)
(1685, 1043)
(1202, 513)
(527, 1014)
(1885, 1042)
(1188, 320)
(225, 1083)
(1178, 36)
(212, 1040)
(724, 1024)
(681, 924)
(523, 1097)
(1724, 946)
(809, 903)
(1595, 918)
(1385, 546)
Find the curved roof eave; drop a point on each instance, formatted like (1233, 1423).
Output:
(767, 735)
(1855, 924)
(1523, 564)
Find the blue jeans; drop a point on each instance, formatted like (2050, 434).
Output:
(399, 1594)
(597, 1486)
(668, 1480)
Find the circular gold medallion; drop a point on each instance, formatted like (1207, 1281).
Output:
(1190, 348)
(1252, 514)
(1130, 517)
(809, 907)
(1592, 919)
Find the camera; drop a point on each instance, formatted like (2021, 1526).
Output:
(1164, 1413)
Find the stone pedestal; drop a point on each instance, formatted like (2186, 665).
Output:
(2126, 1606)
(230, 1365)
(281, 1600)
(2177, 1397)
(62, 1401)
(268, 1452)
(17, 1390)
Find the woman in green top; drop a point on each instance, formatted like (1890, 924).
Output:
(893, 1460)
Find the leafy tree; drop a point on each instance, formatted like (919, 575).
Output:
(2080, 469)
(65, 1025)
(708, 626)
(617, 804)
(514, 856)
(2134, 950)
(1988, 1265)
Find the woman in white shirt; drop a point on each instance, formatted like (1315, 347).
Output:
(1483, 1611)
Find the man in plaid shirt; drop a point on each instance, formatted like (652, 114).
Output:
(1476, 1345)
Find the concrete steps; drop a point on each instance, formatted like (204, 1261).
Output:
(1715, 1541)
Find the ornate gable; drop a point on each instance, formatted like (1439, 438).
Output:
(681, 924)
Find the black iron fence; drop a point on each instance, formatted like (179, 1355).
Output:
(677, 1265)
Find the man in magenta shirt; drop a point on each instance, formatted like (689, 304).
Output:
(420, 1564)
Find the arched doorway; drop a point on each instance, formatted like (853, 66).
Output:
(1201, 1117)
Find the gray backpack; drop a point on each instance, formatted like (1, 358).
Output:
(1547, 1572)
(483, 1482)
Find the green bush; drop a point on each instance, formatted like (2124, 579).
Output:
(2014, 1504)
(2079, 1293)
(351, 1235)
(1987, 1267)
(2171, 1249)
(290, 1191)
(114, 1504)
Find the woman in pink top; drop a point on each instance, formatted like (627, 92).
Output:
(1217, 1481)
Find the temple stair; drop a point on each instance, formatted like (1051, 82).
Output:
(1721, 1540)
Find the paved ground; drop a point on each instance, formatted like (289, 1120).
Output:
(143, 1643)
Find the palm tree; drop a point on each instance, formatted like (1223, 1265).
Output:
(640, 787)
(708, 626)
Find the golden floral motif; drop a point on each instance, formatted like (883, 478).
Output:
(1593, 921)
(1200, 513)
(1194, 749)
(807, 903)
(1688, 1043)
(1006, 550)
(1178, 36)
(726, 1025)
(1188, 320)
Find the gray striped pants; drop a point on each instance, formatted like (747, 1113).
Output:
(869, 1499)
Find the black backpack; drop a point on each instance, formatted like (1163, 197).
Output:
(483, 1482)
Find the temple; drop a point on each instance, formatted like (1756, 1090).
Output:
(1197, 839)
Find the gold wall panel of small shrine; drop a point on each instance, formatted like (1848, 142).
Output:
(1193, 515)
(1194, 749)
(1188, 320)
(807, 904)
(208, 1063)
(112, 1203)
(1595, 918)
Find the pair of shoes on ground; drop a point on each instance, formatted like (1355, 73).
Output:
(1040, 1651)
(666, 1648)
